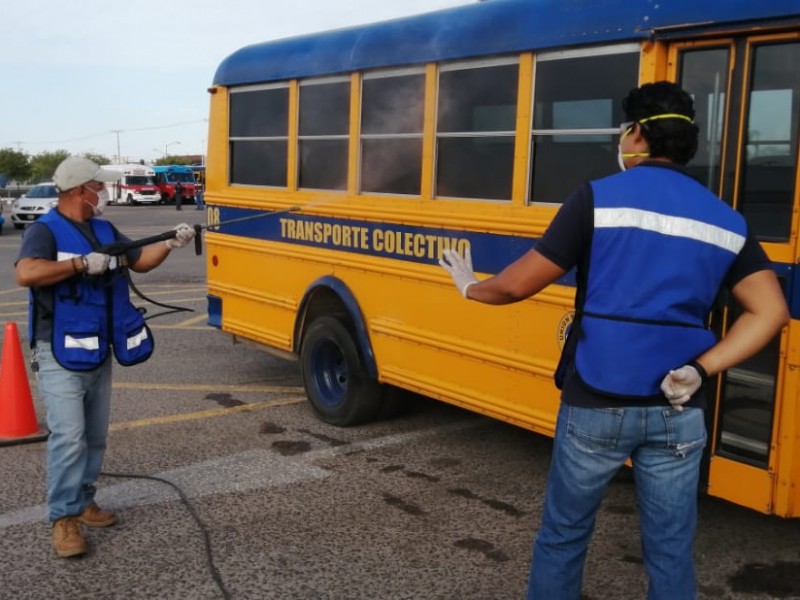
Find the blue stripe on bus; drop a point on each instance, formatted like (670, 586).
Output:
(480, 29)
(491, 252)
(792, 287)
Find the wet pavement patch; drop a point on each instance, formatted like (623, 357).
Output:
(495, 504)
(225, 400)
(325, 438)
(419, 475)
(392, 468)
(482, 546)
(267, 427)
(289, 448)
(779, 580)
(444, 462)
(407, 507)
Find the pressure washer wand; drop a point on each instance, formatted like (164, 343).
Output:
(119, 248)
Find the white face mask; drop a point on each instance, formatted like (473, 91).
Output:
(102, 201)
(620, 160)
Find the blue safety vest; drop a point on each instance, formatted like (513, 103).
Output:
(92, 313)
(661, 247)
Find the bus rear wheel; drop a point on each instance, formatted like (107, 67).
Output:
(340, 389)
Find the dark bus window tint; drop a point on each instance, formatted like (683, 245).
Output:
(391, 166)
(475, 167)
(325, 109)
(323, 164)
(559, 166)
(263, 113)
(768, 173)
(571, 94)
(747, 404)
(481, 99)
(704, 75)
(393, 104)
(392, 107)
(477, 110)
(259, 162)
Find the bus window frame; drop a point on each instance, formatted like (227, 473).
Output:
(345, 137)
(781, 251)
(287, 138)
(569, 54)
(466, 65)
(388, 74)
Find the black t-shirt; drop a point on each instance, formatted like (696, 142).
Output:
(38, 241)
(567, 242)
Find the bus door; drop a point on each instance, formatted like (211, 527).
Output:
(746, 91)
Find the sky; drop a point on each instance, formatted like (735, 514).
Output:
(129, 79)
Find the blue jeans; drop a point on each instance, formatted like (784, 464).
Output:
(665, 447)
(78, 406)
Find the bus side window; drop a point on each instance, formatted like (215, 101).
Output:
(476, 129)
(259, 136)
(391, 132)
(577, 93)
(323, 135)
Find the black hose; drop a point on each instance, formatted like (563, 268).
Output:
(215, 575)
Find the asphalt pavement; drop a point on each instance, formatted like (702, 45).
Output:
(439, 503)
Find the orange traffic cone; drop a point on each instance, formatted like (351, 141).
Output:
(17, 417)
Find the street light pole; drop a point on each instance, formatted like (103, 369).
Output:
(119, 155)
(166, 148)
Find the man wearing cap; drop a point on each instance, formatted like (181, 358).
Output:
(652, 248)
(79, 314)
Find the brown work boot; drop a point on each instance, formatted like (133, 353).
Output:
(94, 516)
(67, 538)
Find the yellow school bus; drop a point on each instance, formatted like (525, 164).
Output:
(341, 165)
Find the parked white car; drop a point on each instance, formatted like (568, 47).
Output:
(37, 202)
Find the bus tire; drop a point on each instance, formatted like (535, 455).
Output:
(340, 389)
(129, 200)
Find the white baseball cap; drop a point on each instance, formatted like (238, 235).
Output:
(77, 170)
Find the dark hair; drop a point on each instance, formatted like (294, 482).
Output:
(675, 139)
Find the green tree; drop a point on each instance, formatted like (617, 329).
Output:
(44, 164)
(100, 159)
(15, 164)
(174, 160)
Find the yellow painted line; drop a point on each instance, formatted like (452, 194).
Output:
(177, 328)
(15, 303)
(15, 290)
(192, 321)
(214, 412)
(192, 387)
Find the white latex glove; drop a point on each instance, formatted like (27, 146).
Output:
(680, 384)
(96, 263)
(184, 236)
(460, 269)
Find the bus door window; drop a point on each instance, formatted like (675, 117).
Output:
(475, 134)
(259, 135)
(323, 134)
(763, 190)
(704, 73)
(771, 131)
(576, 117)
(392, 114)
